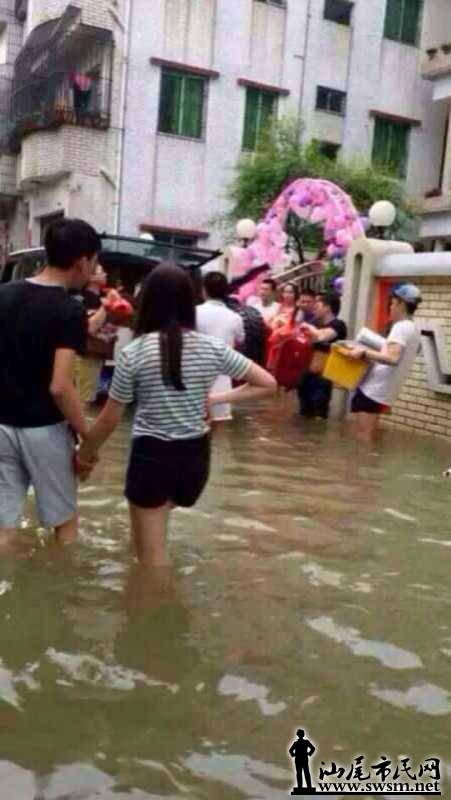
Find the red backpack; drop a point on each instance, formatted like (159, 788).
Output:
(294, 357)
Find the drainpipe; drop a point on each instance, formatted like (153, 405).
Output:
(304, 69)
(124, 94)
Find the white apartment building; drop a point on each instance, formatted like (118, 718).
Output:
(63, 130)
(133, 113)
(436, 68)
(204, 75)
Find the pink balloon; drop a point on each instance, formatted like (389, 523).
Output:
(241, 262)
(341, 238)
(304, 198)
(304, 213)
(274, 255)
(340, 221)
(259, 252)
(294, 203)
(319, 214)
(280, 240)
(329, 233)
(333, 251)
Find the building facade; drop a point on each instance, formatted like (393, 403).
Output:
(205, 76)
(65, 122)
(134, 115)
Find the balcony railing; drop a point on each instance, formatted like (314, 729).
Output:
(5, 108)
(437, 62)
(62, 76)
(58, 100)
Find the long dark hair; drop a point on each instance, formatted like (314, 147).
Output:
(297, 294)
(166, 305)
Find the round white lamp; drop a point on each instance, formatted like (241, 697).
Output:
(382, 214)
(146, 236)
(246, 230)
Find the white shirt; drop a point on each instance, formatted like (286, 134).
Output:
(384, 383)
(215, 319)
(266, 311)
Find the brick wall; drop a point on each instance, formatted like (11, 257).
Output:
(69, 149)
(418, 408)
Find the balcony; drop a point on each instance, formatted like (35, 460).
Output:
(5, 104)
(436, 67)
(437, 203)
(62, 77)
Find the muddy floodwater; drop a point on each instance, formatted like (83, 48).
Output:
(310, 587)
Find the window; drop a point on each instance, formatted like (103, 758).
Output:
(391, 145)
(181, 104)
(328, 149)
(174, 239)
(260, 108)
(402, 20)
(338, 11)
(330, 100)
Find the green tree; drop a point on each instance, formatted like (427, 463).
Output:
(280, 158)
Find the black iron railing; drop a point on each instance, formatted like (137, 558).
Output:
(5, 108)
(61, 99)
(62, 76)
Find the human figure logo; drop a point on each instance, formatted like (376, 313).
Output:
(383, 776)
(302, 750)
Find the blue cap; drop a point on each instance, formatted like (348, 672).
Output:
(407, 292)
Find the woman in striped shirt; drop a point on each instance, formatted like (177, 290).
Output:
(169, 370)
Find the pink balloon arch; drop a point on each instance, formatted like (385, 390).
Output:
(314, 200)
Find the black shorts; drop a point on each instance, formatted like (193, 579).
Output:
(363, 404)
(167, 471)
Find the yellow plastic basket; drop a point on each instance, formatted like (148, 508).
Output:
(343, 371)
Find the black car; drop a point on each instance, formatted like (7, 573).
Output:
(126, 261)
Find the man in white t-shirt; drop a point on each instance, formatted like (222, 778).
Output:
(391, 365)
(265, 301)
(215, 319)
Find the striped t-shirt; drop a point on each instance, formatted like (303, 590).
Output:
(162, 411)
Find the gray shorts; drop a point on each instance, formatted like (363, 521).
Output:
(41, 458)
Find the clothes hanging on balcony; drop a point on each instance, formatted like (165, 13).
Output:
(82, 89)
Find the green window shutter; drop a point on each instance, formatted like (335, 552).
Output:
(411, 21)
(393, 19)
(170, 102)
(267, 105)
(251, 118)
(192, 107)
(390, 146)
(381, 142)
(399, 136)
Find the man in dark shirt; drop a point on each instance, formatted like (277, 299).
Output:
(42, 329)
(307, 301)
(315, 391)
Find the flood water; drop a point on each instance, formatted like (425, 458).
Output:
(310, 587)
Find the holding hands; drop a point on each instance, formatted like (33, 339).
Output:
(85, 459)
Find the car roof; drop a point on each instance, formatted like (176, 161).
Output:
(26, 252)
